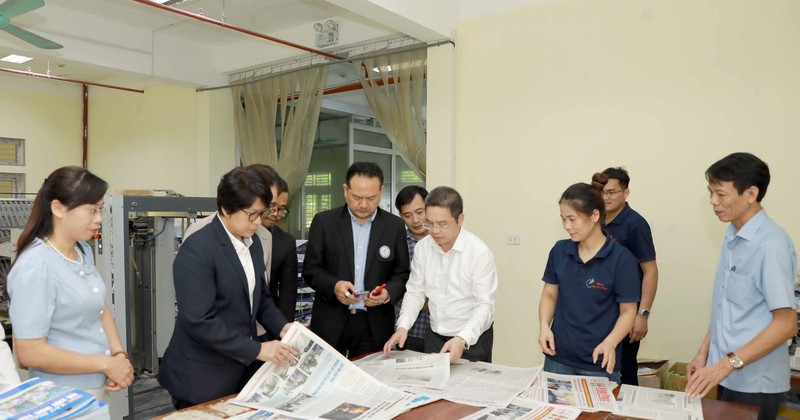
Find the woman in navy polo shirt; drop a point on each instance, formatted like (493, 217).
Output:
(591, 290)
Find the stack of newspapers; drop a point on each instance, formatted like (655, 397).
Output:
(40, 399)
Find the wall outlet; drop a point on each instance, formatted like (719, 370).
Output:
(513, 240)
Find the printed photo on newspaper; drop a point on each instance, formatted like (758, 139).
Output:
(321, 384)
(651, 403)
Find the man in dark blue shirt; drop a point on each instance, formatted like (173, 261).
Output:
(631, 230)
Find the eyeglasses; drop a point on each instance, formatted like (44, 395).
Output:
(281, 212)
(611, 193)
(258, 215)
(441, 225)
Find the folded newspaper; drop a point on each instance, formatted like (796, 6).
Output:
(40, 399)
(322, 384)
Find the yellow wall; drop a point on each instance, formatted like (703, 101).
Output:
(167, 138)
(145, 141)
(550, 93)
(48, 117)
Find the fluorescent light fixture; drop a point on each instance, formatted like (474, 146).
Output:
(19, 59)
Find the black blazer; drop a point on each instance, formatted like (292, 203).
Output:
(330, 258)
(283, 276)
(214, 339)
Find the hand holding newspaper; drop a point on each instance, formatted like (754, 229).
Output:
(321, 384)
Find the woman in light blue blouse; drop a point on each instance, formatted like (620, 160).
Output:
(62, 329)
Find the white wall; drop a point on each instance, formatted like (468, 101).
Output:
(550, 93)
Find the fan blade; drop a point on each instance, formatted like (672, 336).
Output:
(32, 38)
(14, 8)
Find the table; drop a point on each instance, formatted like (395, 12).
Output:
(445, 410)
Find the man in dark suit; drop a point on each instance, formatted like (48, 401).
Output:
(283, 275)
(220, 287)
(351, 251)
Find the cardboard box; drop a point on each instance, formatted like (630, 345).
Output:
(675, 377)
(651, 372)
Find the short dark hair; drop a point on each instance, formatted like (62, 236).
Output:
(282, 187)
(240, 187)
(744, 170)
(271, 177)
(448, 198)
(72, 186)
(367, 169)
(586, 198)
(620, 174)
(407, 195)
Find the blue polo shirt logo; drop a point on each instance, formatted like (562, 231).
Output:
(594, 284)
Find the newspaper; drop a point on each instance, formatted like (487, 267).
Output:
(38, 399)
(651, 403)
(484, 384)
(589, 393)
(408, 370)
(321, 384)
(527, 410)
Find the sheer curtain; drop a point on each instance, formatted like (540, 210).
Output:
(289, 103)
(395, 94)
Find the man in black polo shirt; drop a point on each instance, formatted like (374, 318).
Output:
(630, 229)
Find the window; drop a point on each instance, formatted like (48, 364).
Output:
(11, 185)
(12, 151)
(317, 196)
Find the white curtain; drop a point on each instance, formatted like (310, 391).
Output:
(395, 92)
(289, 103)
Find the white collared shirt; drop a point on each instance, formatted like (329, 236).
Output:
(460, 285)
(242, 249)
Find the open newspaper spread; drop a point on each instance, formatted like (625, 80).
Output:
(651, 403)
(483, 384)
(321, 384)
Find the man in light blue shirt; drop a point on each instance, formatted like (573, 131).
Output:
(753, 312)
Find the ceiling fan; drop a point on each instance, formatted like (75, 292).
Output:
(13, 8)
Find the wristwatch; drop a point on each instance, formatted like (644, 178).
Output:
(736, 362)
(466, 345)
(645, 313)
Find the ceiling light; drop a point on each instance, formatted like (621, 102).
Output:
(19, 59)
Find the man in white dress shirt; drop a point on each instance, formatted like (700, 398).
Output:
(455, 270)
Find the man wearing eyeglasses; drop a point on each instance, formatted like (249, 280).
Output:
(283, 274)
(629, 229)
(456, 272)
(357, 262)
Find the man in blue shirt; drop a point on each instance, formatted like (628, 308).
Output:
(629, 229)
(753, 313)
(410, 202)
(357, 263)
